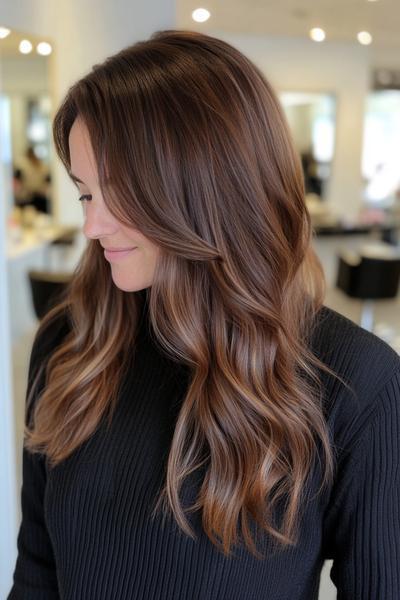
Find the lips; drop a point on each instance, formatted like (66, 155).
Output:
(115, 255)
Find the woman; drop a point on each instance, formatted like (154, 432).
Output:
(199, 425)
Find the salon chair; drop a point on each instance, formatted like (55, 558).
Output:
(47, 288)
(372, 273)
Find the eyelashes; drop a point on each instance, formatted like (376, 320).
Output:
(82, 200)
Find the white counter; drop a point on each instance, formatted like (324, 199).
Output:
(32, 239)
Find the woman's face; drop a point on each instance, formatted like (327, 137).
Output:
(133, 267)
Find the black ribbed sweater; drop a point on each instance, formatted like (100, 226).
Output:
(86, 532)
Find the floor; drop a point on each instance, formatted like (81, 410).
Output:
(387, 326)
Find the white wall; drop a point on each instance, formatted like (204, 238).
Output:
(386, 57)
(24, 74)
(342, 68)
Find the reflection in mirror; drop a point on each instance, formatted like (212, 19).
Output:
(311, 118)
(381, 149)
(26, 87)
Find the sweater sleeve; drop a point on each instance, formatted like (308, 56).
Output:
(35, 572)
(364, 522)
(35, 575)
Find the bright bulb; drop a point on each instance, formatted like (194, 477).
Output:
(200, 15)
(25, 47)
(317, 34)
(364, 37)
(4, 32)
(43, 48)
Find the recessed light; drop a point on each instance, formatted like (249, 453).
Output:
(43, 48)
(200, 15)
(317, 34)
(25, 47)
(4, 32)
(364, 37)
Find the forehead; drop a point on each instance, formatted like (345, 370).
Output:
(83, 164)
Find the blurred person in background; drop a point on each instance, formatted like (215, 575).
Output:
(32, 182)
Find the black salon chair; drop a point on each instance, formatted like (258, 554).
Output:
(370, 274)
(47, 288)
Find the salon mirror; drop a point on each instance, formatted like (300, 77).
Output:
(312, 119)
(26, 101)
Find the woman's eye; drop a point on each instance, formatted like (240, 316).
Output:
(83, 199)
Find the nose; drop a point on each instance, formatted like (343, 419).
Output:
(99, 222)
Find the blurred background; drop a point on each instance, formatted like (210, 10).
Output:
(336, 67)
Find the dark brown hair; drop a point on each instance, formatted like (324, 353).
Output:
(193, 149)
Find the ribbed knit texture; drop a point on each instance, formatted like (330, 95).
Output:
(86, 532)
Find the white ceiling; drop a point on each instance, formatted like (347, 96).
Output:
(342, 19)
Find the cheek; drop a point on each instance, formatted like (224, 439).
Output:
(132, 234)
(154, 255)
(148, 251)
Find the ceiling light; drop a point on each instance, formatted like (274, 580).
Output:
(4, 32)
(317, 34)
(25, 47)
(364, 37)
(43, 48)
(200, 15)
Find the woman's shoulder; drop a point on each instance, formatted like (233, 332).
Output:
(368, 365)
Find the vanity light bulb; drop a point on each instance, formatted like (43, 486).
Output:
(43, 48)
(4, 32)
(25, 47)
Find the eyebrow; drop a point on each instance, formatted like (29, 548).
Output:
(75, 178)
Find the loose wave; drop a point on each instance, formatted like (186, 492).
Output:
(192, 147)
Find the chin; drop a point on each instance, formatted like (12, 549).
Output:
(126, 286)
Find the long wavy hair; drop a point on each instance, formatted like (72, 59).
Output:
(192, 148)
